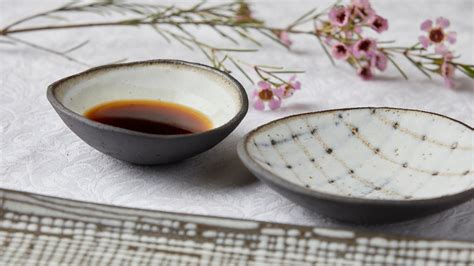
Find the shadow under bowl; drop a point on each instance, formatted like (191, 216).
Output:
(212, 92)
(365, 165)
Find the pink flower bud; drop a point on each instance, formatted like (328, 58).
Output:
(380, 61)
(447, 70)
(284, 38)
(365, 72)
(379, 24)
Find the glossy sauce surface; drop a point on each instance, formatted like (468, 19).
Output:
(150, 116)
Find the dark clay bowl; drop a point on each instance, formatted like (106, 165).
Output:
(365, 165)
(206, 89)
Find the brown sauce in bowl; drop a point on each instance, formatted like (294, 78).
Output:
(150, 116)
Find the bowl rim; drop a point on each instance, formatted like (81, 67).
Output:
(268, 176)
(243, 109)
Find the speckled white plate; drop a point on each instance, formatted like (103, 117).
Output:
(381, 156)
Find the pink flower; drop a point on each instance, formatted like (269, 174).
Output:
(364, 47)
(339, 16)
(447, 70)
(284, 38)
(378, 23)
(340, 51)
(361, 9)
(287, 90)
(380, 60)
(264, 95)
(437, 35)
(365, 72)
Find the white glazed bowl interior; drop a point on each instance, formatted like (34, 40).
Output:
(197, 87)
(383, 153)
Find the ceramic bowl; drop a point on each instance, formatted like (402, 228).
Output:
(215, 93)
(366, 165)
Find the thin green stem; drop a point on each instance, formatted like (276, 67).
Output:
(397, 67)
(45, 49)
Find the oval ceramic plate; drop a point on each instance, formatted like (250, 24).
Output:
(365, 164)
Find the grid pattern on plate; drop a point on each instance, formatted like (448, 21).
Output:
(42, 230)
(369, 153)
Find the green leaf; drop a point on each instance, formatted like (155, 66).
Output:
(131, 22)
(56, 17)
(468, 70)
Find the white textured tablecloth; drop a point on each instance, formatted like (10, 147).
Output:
(39, 154)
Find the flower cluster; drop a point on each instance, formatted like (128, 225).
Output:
(270, 95)
(438, 37)
(341, 31)
(344, 33)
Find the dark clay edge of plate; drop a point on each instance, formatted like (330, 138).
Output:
(244, 102)
(270, 177)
